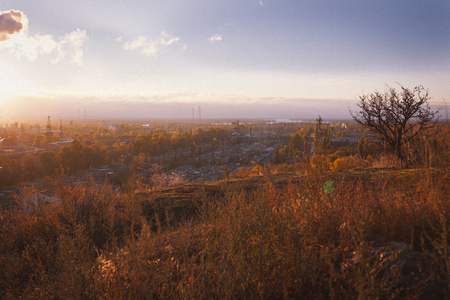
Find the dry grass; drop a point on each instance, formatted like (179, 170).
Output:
(265, 237)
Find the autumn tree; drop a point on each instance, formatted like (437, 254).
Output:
(278, 155)
(295, 144)
(72, 159)
(396, 117)
(48, 162)
(30, 166)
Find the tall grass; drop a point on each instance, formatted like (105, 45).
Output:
(281, 238)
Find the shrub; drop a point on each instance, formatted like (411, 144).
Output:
(264, 237)
(346, 163)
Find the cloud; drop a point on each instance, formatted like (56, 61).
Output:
(11, 23)
(261, 3)
(150, 47)
(215, 38)
(14, 37)
(71, 45)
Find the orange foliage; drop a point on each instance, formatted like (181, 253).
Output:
(345, 163)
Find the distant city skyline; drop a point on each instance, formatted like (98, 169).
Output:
(261, 58)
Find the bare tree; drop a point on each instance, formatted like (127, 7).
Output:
(396, 117)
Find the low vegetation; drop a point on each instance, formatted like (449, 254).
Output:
(378, 234)
(327, 220)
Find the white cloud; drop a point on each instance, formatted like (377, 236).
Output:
(71, 45)
(261, 3)
(151, 47)
(14, 37)
(139, 42)
(167, 39)
(215, 38)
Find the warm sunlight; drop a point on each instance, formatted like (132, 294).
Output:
(291, 51)
(257, 149)
(12, 82)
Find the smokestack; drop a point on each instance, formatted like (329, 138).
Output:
(49, 125)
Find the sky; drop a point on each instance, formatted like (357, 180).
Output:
(231, 58)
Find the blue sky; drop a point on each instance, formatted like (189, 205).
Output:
(246, 58)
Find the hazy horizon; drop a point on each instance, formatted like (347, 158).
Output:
(173, 107)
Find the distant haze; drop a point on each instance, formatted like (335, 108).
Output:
(172, 106)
